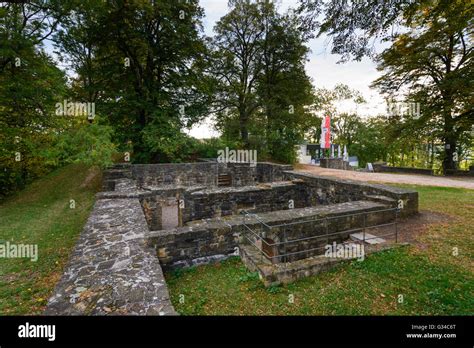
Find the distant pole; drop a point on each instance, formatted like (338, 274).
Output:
(346, 154)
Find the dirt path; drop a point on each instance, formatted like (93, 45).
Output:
(425, 180)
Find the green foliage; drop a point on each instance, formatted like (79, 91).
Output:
(166, 142)
(89, 144)
(208, 148)
(258, 63)
(30, 84)
(368, 142)
(435, 64)
(142, 63)
(15, 175)
(274, 289)
(354, 25)
(249, 276)
(429, 62)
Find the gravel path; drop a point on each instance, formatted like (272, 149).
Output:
(425, 180)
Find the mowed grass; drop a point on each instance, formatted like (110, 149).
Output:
(41, 215)
(433, 277)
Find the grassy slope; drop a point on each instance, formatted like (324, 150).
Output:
(431, 279)
(41, 215)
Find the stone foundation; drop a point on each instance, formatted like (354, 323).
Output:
(330, 190)
(221, 236)
(178, 215)
(288, 272)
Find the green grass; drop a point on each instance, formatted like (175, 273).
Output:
(431, 279)
(41, 215)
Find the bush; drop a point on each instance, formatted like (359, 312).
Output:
(89, 144)
(208, 148)
(15, 175)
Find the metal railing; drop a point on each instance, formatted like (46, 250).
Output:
(259, 237)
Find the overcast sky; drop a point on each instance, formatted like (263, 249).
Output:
(321, 67)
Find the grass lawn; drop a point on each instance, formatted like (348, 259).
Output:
(429, 278)
(41, 215)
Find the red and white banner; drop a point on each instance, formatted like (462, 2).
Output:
(326, 133)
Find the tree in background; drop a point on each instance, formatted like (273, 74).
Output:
(143, 63)
(284, 90)
(237, 53)
(258, 63)
(430, 60)
(435, 62)
(345, 124)
(35, 138)
(29, 85)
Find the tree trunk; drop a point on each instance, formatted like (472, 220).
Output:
(244, 133)
(432, 154)
(449, 166)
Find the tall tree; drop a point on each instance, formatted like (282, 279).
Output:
(30, 82)
(237, 64)
(435, 63)
(259, 58)
(143, 61)
(430, 60)
(77, 41)
(284, 89)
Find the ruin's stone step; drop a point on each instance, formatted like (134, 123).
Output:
(382, 199)
(367, 238)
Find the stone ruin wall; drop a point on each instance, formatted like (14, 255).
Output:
(116, 266)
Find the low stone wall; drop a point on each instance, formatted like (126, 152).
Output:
(218, 238)
(335, 226)
(199, 173)
(112, 270)
(240, 174)
(459, 172)
(177, 174)
(328, 190)
(210, 203)
(380, 168)
(334, 163)
(270, 172)
(118, 172)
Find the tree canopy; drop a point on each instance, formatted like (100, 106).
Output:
(151, 74)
